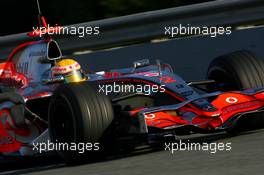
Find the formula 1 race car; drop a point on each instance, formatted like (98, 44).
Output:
(45, 97)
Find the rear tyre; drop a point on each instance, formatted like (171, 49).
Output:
(238, 70)
(79, 115)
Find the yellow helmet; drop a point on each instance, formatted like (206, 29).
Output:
(69, 69)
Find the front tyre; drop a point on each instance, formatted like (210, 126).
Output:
(79, 115)
(236, 71)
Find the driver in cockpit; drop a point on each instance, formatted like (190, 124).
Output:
(69, 69)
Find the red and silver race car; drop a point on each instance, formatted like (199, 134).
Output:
(46, 98)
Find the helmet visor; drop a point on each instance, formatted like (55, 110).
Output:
(74, 76)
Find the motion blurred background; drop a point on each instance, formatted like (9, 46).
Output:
(19, 16)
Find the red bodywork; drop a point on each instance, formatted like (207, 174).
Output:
(13, 138)
(226, 108)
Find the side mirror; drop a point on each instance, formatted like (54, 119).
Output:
(53, 50)
(141, 63)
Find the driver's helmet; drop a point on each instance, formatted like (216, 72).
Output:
(69, 69)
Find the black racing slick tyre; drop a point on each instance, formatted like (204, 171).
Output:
(79, 117)
(236, 71)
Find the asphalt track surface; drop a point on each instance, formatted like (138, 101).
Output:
(245, 157)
